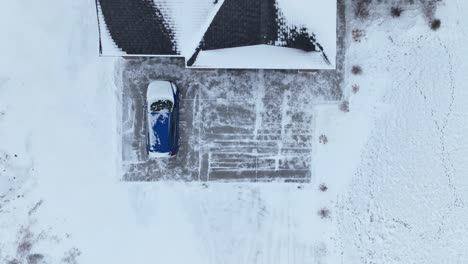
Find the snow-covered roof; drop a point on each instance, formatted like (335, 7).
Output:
(286, 58)
(279, 34)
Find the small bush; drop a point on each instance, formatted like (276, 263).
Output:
(435, 24)
(356, 70)
(323, 139)
(358, 34)
(344, 106)
(323, 187)
(396, 11)
(324, 213)
(71, 256)
(355, 88)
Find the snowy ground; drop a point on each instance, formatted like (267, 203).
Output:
(235, 124)
(406, 202)
(395, 165)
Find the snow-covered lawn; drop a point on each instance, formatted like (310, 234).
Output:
(406, 202)
(395, 166)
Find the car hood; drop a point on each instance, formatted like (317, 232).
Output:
(159, 90)
(159, 131)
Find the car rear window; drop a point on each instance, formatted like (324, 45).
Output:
(161, 105)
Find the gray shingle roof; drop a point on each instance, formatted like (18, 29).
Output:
(188, 27)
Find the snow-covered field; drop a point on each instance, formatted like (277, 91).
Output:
(407, 197)
(395, 165)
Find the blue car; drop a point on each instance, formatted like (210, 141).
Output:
(162, 111)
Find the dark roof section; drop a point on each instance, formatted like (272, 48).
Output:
(253, 22)
(242, 23)
(138, 27)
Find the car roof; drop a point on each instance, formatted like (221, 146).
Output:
(160, 131)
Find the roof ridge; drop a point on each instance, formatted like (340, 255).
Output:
(199, 36)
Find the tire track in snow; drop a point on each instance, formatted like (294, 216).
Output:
(449, 167)
(441, 127)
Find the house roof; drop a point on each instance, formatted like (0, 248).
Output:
(281, 34)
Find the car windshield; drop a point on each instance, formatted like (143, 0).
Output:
(161, 105)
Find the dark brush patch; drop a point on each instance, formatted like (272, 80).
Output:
(71, 256)
(435, 24)
(344, 106)
(396, 11)
(361, 8)
(323, 139)
(35, 258)
(323, 187)
(355, 88)
(358, 34)
(429, 8)
(24, 247)
(324, 213)
(356, 70)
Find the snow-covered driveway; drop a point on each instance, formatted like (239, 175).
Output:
(235, 124)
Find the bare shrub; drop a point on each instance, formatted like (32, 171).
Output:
(324, 213)
(323, 139)
(435, 24)
(355, 88)
(71, 256)
(358, 34)
(356, 70)
(13, 261)
(35, 258)
(344, 106)
(361, 8)
(321, 251)
(26, 243)
(396, 11)
(24, 247)
(323, 187)
(429, 8)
